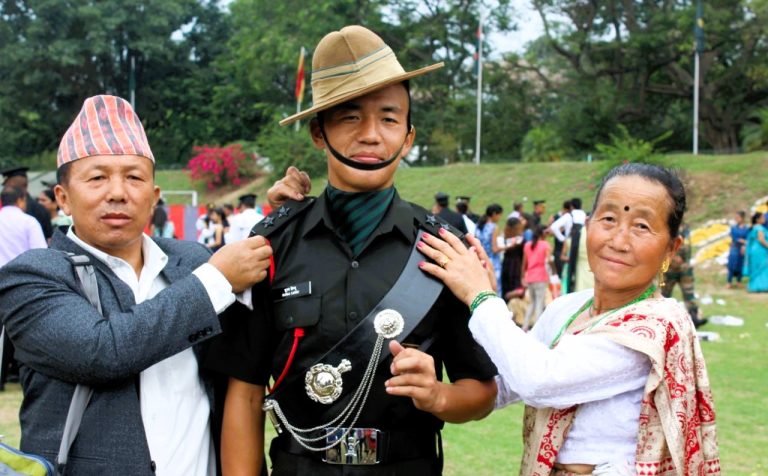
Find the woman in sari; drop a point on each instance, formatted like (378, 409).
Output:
(613, 378)
(756, 261)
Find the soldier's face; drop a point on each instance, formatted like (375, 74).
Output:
(628, 236)
(111, 199)
(368, 130)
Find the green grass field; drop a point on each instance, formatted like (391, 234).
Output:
(738, 363)
(737, 369)
(739, 378)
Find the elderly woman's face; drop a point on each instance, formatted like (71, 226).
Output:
(628, 236)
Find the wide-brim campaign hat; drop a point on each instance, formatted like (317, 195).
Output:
(350, 63)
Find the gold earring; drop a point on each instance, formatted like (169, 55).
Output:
(664, 269)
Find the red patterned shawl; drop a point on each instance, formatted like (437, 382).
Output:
(677, 417)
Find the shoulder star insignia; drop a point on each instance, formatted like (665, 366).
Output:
(269, 221)
(432, 220)
(283, 212)
(445, 226)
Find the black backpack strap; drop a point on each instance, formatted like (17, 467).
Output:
(87, 276)
(82, 394)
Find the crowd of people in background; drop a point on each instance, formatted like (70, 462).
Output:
(530, 272)
(224, 224)
(748, 254)
(537, 258)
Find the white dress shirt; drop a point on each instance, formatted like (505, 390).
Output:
(579, 217)
(605, 379)
(561, 227)
(174, 406)
(19, 232)
(240, 225)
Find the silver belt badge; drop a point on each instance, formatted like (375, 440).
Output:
(323, 382)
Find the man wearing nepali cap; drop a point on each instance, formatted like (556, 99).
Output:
(160, 299)
(352, 332)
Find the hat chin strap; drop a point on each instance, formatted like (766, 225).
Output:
(359, 165)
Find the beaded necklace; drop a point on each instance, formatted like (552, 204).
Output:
(589, 302)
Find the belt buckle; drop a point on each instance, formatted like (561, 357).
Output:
(359, 446)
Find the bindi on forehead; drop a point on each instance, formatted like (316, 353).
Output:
(626, 208)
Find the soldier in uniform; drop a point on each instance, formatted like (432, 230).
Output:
(442, 210)
(680, 272)
(349, 397)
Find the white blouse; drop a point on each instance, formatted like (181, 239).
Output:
(605, 379)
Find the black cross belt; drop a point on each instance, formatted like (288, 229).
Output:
(413, 295)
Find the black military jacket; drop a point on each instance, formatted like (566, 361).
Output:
(344, 288)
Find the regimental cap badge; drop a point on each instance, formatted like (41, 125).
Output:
(323, 382)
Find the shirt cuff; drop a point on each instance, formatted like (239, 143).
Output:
(492, 308)
(216, 285)
(246, 298)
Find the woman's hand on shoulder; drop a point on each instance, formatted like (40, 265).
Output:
(466, 271)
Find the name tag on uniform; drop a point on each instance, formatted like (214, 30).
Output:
(292, 291)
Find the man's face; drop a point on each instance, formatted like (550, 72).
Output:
(17, 181)
(369, 129)
(111, 199)
(539, 208)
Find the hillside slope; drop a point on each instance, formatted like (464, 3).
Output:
(717, 185)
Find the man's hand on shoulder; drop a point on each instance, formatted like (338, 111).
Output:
(294, 186)
(244, 263)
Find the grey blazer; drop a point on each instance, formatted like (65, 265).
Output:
(62, 340)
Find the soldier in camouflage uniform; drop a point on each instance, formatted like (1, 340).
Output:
(681, 272)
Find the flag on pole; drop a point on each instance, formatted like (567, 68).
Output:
(300, 78)
(698, 28)
(479, 36)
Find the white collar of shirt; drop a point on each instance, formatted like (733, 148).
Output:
(154, 262)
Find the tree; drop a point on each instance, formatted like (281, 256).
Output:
(55, 54)
(641, 53)
(260, 64)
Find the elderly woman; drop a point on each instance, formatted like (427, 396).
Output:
(613, 377)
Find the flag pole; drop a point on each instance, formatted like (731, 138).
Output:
(696, 104)
(698, 30)
(479, 88)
